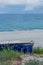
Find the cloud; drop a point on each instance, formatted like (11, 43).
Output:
(29, 4)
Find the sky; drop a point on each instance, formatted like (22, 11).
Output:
(21, 6)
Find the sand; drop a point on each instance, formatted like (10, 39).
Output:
(35, 35)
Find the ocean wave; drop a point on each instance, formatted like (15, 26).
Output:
(20, 30)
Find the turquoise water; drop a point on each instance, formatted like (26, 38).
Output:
(10, 22)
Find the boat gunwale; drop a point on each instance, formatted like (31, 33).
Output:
(17, 43)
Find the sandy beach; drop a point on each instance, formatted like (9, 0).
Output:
(35, 35)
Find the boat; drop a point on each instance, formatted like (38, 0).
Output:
(24, 46)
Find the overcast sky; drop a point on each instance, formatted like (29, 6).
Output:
(21, 6)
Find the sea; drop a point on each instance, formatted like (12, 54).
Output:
(12, 22)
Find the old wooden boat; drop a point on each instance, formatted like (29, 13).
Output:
(24, 46)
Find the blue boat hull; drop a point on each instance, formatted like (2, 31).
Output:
(26, 48)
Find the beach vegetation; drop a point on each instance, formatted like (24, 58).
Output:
(34, 62)
(8, 54)
(38, 50)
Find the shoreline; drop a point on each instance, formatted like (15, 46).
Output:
(35, 35)
(21, 30)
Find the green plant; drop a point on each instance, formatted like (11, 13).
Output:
(6, 54)
(34, 62)
(5, 63)
(38, 50)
